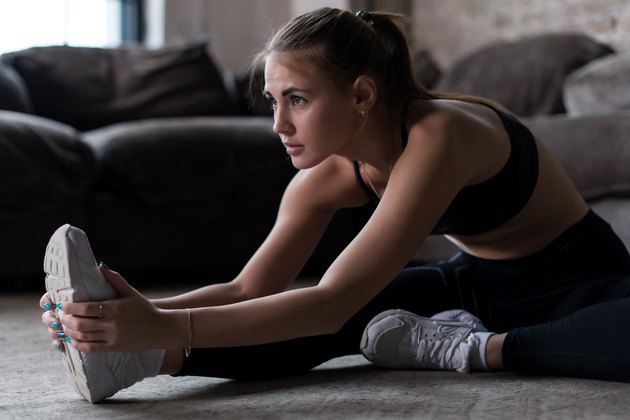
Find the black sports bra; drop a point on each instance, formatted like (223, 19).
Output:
(481, 207)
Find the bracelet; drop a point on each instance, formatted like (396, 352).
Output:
(188, 348)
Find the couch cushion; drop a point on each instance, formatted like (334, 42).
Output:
(616, 211)
(93, 87)
(13, 92)
(526, 76)
(594, 150)
(196, 164)
(44, 165)
(600, 86)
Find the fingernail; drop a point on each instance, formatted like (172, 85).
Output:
(47, 306)
(68, 339)
(59, 305)
(55, 325)
(61, 334)
(58, 346)
(102, 264)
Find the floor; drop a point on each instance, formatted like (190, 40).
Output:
(35, 385)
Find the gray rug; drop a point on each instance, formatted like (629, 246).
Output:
(34, 385)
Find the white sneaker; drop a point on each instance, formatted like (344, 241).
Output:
(460, 315)
(401, 339)
(72, 275)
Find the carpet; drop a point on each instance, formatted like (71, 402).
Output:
(35, 385)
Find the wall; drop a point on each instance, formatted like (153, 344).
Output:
(237, 29)
(452, 28)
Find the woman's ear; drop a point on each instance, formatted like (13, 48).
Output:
(365, 93)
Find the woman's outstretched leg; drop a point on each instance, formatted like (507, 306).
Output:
(422, 289)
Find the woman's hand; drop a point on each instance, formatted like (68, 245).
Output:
(128, 323)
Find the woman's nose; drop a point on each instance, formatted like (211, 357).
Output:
(281, 123)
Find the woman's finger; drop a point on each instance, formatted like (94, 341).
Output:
(83, 337)
(82, 329)
(87, 309)
(45, 303)
(58, 345)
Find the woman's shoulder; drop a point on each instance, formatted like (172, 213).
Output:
(472, 134)
(449, 115)
(452, 118)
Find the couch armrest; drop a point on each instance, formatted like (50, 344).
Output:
(44, 166)
(14, 95)
(594, 150)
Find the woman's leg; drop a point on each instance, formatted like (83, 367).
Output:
(423, 289)
(589, 342)
(564, 307)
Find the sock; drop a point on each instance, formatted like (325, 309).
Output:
(478, 358)
(151, 361)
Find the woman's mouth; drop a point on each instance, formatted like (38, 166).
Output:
(293, 149)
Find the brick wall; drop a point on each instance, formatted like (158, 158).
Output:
(453, 28)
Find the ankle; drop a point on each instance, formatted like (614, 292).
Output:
(173, 362)
(494, 352)
(478, 357)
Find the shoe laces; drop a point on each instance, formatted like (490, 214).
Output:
(445, 347)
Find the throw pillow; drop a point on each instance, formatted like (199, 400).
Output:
(427, 71)
(527, 75)
(601, 86)
(92, 87)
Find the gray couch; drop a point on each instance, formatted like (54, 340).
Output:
(175, 178)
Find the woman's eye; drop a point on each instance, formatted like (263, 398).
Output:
(297, 100)
(273, 103)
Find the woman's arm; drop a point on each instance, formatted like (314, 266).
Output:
(213, 295)
(309, 203)
(423, 182)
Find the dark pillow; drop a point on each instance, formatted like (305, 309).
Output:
(92, 87)
(526, 76)
(252, 101)
(13, 92)
(428, 72)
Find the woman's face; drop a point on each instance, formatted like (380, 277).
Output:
(313, 118)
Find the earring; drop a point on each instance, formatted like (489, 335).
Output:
(363, 113)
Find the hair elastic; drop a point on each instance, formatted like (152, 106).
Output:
(366, 16)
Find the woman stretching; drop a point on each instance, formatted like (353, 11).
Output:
(541, 280)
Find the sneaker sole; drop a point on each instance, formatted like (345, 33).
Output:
(64, 283)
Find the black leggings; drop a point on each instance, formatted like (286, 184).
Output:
(566, 310)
